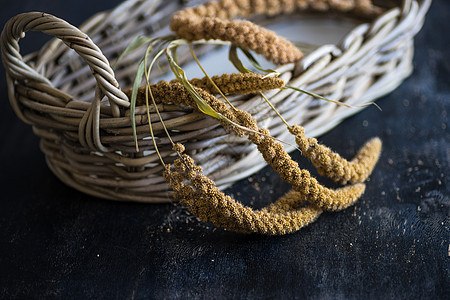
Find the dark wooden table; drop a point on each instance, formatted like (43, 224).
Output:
(394, 243)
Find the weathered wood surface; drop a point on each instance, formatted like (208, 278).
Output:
(55, 241)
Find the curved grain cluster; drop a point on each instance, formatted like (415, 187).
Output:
(238, 83)
(213, 20)
(332, 165)
(207, 202)
(204, 199)
(234, 84)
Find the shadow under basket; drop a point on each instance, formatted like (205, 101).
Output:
(74, 101)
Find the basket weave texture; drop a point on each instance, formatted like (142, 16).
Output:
(74, 101)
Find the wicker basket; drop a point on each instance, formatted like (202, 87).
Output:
(88, 140)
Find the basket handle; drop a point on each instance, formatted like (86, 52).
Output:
(16, 67)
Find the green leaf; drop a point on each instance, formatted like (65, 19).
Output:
(135, 44)
(209, 78)
(181, 76)
(255, 63)
(235, 60)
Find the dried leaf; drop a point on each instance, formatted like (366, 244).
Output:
(236, 61)
(317, 96)
(182, 78)
(256, 64)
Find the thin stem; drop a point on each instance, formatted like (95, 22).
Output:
(150, 126)
(147, 75)
(147, 89)
(262, 134)
(329, 100)
(371, 103)
(275, 110)
(209, 78)
(317, 96)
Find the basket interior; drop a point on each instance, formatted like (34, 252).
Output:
(69, 72)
